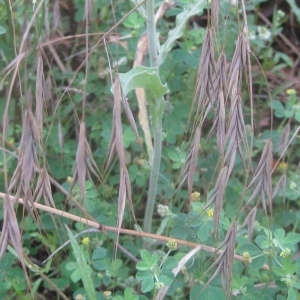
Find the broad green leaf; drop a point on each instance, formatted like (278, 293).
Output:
(292, 238)
(252, 249)
(279, 272)
(99, 253)
(72, 265)
(207, 293)
(76, 276)
(115, 267)
(205, 231)
(129, 295)
(297, 116)
(288, 114)
(142, 274)
(167, 280)
(170, 263)
(100, 265)
(145, 255)
(278, 108)
(143, 77)
(147, 284)
(62, 283)
(143, 266)
(291, 294)
(279, 234)
(148, 258)
(180, 232)
(289, 266)
(296, 284)
(134, 21)
(263, 241)
(2, 30)
(190, 10)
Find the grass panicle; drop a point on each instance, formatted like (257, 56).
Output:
(205, 76)
(85, 165)
(224, 262)
(250, 222)
(219, 93)
(217, 195)
(80, 165)
(262, 178)
(117, 148)
(11, 233)
(24, 174)
(283, 139)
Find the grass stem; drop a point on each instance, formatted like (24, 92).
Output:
(156, 112)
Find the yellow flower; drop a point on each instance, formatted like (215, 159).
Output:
(86, 241)
(291, 92)
(69, 179)
(282, 167)
(210, 213)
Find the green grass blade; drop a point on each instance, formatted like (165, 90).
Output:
(83, 266)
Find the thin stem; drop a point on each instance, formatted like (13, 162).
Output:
(151, 31)
(156, 112)
(153, 178)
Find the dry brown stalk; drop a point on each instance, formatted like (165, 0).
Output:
(104, 228)
(56, 16)
(39, 96)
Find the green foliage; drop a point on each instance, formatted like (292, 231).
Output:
(191, 9)
(76, 88)
(154, 271)
(290, 110)
(143, 77)
(82, 270)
